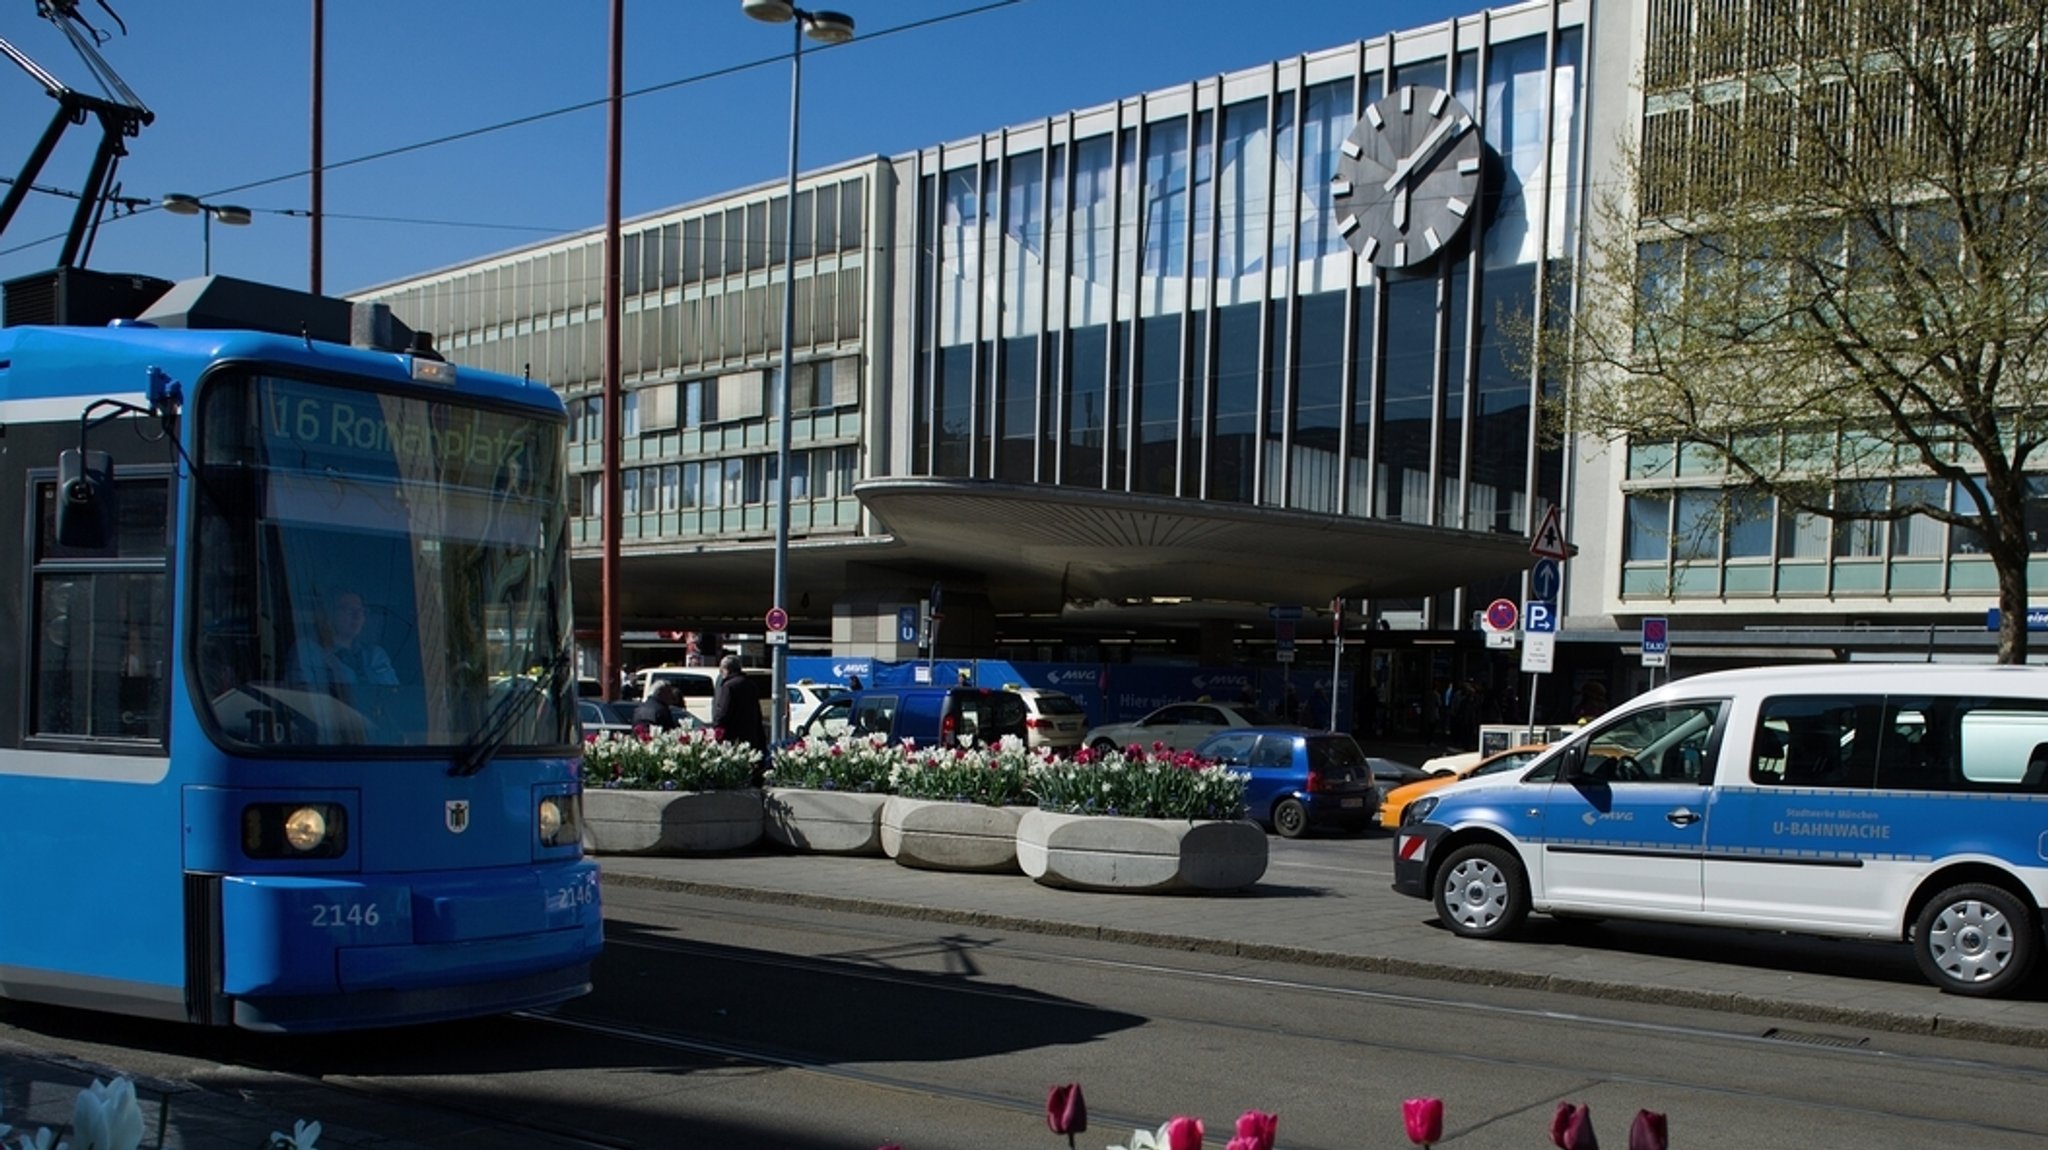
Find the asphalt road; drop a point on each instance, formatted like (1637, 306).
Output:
(741, 1024)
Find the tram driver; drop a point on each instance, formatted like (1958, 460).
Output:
(342, 662)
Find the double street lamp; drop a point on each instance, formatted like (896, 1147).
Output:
(180, 204)
(825, 28)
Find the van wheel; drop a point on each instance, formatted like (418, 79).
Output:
(1976, 939)
(1480, 892)
(1290, 819)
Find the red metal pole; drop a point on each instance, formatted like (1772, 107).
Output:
(613, 396)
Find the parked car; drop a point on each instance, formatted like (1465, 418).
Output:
(1052, 718)
(926, 716)
(805, 697)
(617, 717)
(1398, 799)
(1391, 774)
(1300, 779)
(1180, 725)
(696, 686)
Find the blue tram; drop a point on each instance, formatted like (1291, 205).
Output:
(291, 744)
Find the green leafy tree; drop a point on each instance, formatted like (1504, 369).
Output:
(1822, 270)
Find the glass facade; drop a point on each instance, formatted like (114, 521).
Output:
(700, 342)
(1152, 298)
(1161, 290)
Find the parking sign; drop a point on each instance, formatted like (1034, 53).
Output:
(1539, 617)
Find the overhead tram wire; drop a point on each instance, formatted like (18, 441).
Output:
(587, 105)
(520, 122)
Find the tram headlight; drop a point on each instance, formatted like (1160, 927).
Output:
(305, 829)
(560, 820)
(294, 830)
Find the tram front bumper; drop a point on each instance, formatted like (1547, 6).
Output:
(312, 935)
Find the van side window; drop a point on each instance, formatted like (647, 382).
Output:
(1902, 743)
(874, 715)
(1670, 744)
(1818, 741)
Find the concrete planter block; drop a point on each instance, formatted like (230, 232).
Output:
(826, 822)
(934, 835)
(670, 822)
(1146, 856)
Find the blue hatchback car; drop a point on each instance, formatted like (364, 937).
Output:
(1299, 779)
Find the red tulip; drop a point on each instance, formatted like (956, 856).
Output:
(1648, 1132)
(1425, 1120)
(1571, 1128)
(1184, 1133)
(1065, 1110)
(1255, 1128)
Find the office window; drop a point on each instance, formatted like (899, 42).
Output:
(1649, 529)
(739, 395)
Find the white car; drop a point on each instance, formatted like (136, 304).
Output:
(805, 697)
(696, 687)
(1052, 719)
(1180, 726)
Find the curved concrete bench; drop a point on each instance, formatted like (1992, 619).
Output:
(826, 822)
(1149, 856)
(670, 822)
(935, 835)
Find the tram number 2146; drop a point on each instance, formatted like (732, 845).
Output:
(331, 914)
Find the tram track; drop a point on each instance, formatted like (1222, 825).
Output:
(612, 1071)
(1762, 1036)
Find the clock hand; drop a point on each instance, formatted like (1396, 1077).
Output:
(1425, 150)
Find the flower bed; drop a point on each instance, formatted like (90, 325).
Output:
(997, 776)
(1135, 783)
(679, 760)
(672, 793)
(863, 764)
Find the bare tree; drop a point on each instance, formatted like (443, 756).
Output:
(1826, 273)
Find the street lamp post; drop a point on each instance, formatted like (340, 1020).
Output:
(180, 204)
(825, 28)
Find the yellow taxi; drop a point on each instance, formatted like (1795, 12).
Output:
(1398, 799)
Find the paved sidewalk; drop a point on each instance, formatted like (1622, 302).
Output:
(1323, 908)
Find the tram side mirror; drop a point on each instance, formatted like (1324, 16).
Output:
(85, 498)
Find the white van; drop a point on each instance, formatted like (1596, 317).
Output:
(1905, 802)
(695, 687)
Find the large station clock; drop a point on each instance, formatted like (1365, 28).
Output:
(1408, 178)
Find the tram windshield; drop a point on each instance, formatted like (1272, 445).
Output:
(378, 569)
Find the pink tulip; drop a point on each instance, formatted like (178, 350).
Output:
(1648, 1132)
(1571, 1128)
(1242, 1142)
(1425, 1120)
(1255, 1128)
(1065, 1110)
(1184, 1133)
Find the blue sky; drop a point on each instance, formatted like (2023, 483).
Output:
(229, 83)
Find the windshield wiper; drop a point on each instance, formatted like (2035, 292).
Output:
(477, 753)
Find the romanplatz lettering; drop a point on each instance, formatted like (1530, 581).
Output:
(363, 428)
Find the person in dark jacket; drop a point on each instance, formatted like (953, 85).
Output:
(736, 712)
(655, 712)
(736, 707)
